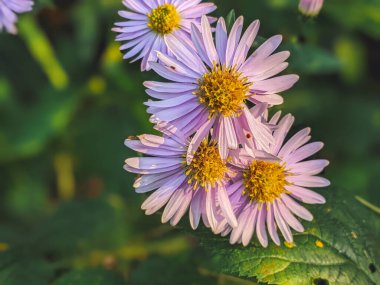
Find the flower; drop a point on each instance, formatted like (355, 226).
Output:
(212, 83)
(199, 186)
(310, 8)
(264, 191)
(149, 22)
(8, 13)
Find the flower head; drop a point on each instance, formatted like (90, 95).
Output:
(8, 13)
(310, 8)
(149, 22)
(199, 186)
(213, 83)
(265, 189)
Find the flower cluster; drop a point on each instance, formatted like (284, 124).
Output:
(8, 13)
(220, 157)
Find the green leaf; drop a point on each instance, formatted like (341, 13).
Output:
(312, 59)
(340, 247)
(230, 19)
(179, 269)
(31, 130)
(361, 15)
(80, 225)
(90, 276)
(30, 271)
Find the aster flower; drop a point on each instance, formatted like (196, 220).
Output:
(8, 13)
(149, 22)
(310, 8)
(265, 189)
(212, 83)
(199, 186)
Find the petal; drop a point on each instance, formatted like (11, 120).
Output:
(250, 226)
(226, 207)
(275, 84)
(305, 195)
(272, 225)
(233, 40)
(246, 43)
(221, 39)
(242, 222)
(303, 152)
(199, 136)
(290, 219)
(297, 209)
(308, 181)
(282, 225)
(208, 40)
(260, 226)
(311, 167)
(195, 210)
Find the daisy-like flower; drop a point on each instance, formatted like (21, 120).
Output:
(199, 186)
(149, 22)
(8, 13)
(310, 8)
(212, 83)
(265, 189)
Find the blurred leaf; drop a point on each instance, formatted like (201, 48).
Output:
(86, 31)
(351, 54)
(80, 225)
(230, 19)
(43, 52)
(26, 271)
(35, 126)
(311, 59)
(362, 15)
(90, 277)
(179, 269)
(338, 247)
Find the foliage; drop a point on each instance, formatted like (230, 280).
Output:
(339, 246)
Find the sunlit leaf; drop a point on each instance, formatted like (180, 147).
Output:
(338, 247)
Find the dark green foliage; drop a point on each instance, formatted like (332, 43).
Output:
(90, 276)
(340, 246)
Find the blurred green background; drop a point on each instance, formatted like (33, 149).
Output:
(68, 212)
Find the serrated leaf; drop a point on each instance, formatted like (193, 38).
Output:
(341, 246)
(90, 276)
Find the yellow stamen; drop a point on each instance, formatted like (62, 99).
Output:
(319, 244)
(264, 181)
(164, 19)
(223, 90)
(290, 244)
(207, 167)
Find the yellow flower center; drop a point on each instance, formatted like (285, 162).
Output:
(164, 19)
(207, 167)
(223, 90)
(264, 181)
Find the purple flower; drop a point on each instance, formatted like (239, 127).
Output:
(310, 8)
(199, 186)
(265, 188)
(150, 22)
(8, 13)
(211, 84)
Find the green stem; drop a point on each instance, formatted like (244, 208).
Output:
(368, 204)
